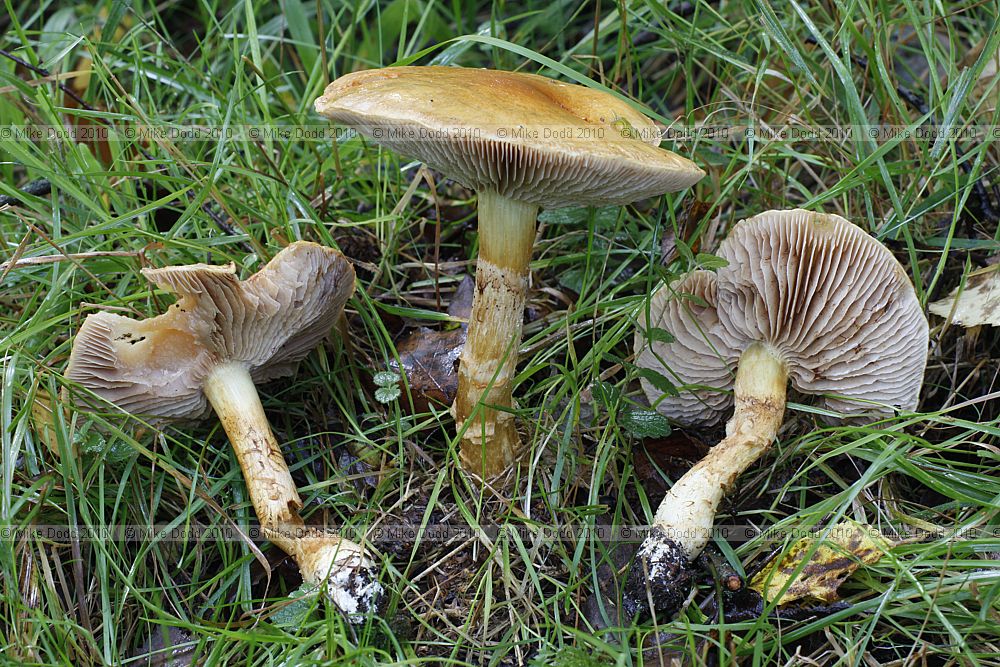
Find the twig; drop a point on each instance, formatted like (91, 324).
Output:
(221, 221)
(38, 188)
(44, 72)
(72, 257)
(52, 78)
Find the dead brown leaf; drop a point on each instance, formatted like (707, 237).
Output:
(429, 357)
(686, 222)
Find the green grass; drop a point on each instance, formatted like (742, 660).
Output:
(521, 596)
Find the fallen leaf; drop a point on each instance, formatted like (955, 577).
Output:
(461, 302)
(975, 304)
(601, 607)
(166, 647)
(644, 423)
(44, 420)
(983, 88)
(686, 222)
(302, 604)
(848, 546)
(429, 357)
(87, 129)
(430, 360)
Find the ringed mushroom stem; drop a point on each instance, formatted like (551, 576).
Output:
(683, 522)
(319, 554)
(488, 362)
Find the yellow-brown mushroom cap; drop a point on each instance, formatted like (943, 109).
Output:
(269, 322)
(825, 297)
(524, 136)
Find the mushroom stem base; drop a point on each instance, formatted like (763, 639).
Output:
(323, 557)
(490, 442)
(684, 519)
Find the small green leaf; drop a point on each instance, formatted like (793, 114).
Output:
(386, 378)
(118, 452)
(606, 394)
(644, 423)
(710, 261)
(625, 128)
(562, 216)
(695, 300)
(294, 614)
(606, 218)
(684, 250)
(387, 394)
(658, 335)
(662, 384)
(90, 441)
(572, 280)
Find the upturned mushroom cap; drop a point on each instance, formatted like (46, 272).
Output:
(820, 293)
(525, 136)
(268, 322)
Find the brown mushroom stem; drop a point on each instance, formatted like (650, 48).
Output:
(351, 579)
(489, 359)
(683, 522)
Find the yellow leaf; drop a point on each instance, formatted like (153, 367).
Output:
(848, 546)
(44, 420)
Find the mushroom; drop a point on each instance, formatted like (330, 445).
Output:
(207, 352)
(522, 142)
(805, 297)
